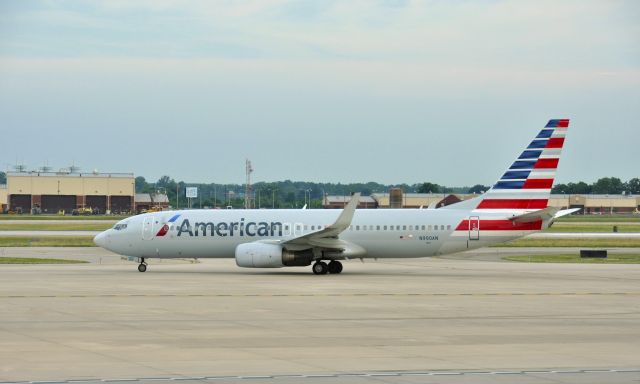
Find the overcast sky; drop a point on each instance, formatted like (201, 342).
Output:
(339, 91)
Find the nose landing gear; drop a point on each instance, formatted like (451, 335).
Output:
(142, 267)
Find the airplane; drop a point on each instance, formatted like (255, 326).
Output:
(516, 206)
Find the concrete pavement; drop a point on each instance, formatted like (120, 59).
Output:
(212, 319)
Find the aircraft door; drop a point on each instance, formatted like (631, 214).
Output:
(147, 228)
(474, 228)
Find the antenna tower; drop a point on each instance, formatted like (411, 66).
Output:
(248, 188)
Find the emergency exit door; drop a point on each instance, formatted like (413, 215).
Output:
(474, 228)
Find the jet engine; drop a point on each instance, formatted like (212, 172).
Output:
(264, 255)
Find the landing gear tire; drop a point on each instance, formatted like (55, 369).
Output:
(142, 267)
(335, 267)
(320, 268)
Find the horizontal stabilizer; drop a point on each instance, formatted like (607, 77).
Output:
(565, 212)
(543, 214)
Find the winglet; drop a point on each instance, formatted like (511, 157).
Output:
(331, 231)
(344, 220)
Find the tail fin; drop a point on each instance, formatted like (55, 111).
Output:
(526, 185)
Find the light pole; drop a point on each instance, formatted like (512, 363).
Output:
(308, 191)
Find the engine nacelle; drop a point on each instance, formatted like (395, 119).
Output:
(264, 255)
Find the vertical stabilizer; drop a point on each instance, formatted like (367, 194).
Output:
(526, 185)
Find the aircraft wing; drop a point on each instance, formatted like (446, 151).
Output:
(327, 237)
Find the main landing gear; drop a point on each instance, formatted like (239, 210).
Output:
(142, 267)
(321, 268)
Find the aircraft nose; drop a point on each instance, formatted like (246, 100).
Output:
(101, 239)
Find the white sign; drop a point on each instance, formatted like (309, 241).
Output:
(192, 192)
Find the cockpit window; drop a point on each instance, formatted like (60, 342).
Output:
(119, 227)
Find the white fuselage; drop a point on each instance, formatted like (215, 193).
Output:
(383, 233)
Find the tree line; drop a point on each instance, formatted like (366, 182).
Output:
(603, 186)
(294, 194)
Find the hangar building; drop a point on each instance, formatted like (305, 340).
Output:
(52, 192)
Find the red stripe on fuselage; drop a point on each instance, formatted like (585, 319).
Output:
(546, 163)
(163, 231)
(538, 184)
(555, 142)
(502, 225)
(513, 204)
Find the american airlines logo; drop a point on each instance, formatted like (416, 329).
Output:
(223, 229)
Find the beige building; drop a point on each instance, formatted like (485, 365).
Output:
(51, 192)
(417, 200)
(146, 201)
(590, 204)
(3, 197)
(598, 204)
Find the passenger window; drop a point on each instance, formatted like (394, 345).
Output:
(404, 227)
(448, 227)
(423, 227)
(357, 227)
(364, 227)
(377, 228)
(435, 227)
(306, 227)
(287, 230)
(411, 227)
(371, 227)
(442, 227)
(385, 227)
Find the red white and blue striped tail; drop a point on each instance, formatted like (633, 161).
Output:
(526, 185)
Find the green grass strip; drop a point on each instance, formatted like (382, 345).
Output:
(34, 260)
(576, 243)
(600, 218)
(567, 258)
(593, 227)
(47, 241)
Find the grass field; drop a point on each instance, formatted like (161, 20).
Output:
(46, 241)
(592, 227)
(601, 218)
(575, 258)
(33, 260)
(576, 243)
(57, 217)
